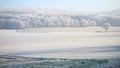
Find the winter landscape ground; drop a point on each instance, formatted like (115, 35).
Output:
(60, 48)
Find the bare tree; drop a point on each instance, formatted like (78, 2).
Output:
(106, 26)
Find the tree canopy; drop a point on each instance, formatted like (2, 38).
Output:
(18, 18)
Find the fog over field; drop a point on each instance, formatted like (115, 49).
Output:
(61, 42)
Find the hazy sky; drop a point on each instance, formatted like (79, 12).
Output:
(84, 5)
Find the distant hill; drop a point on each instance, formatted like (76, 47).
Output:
(17, 18)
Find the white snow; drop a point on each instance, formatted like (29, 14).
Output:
(56, 38)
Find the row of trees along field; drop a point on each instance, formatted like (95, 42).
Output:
(17, 18)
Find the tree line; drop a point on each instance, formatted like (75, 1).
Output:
(18, 18)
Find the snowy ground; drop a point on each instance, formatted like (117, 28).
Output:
(47, 39)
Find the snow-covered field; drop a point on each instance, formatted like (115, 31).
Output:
(59, 42)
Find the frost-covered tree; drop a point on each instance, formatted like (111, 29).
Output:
(84, 22)
(34, 18)
(106, 26)
(92, 23)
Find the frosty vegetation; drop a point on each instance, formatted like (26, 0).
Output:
(106, 26)
(27, 62)
(16, 18)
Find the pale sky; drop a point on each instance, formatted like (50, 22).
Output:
(84, 5)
